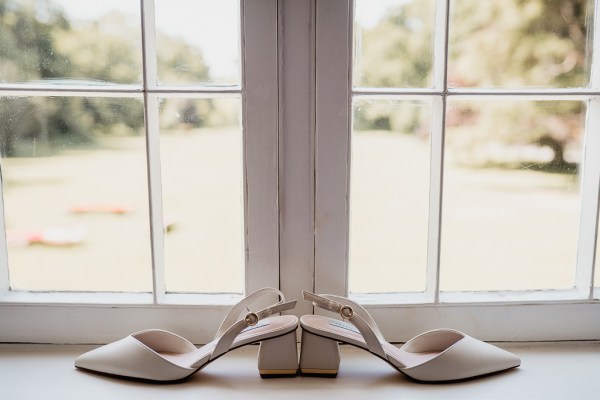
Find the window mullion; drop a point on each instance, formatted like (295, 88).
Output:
(440, 49)
(296, 155)
(438, 128)
(260, 126)
(151, 126)
(157, 232)
(4, 277)
(590, 191)
(149, 45)
(332, 144)
(595, 65)
(590, 179)
(435, 197)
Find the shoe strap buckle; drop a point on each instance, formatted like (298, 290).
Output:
(346, 312)
(251, 319)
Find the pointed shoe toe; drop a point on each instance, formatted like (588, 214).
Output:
(465, 358)
(440, 355)
(160, 356)
(131, 358)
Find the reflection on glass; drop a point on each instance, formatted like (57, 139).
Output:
(511, 194)
(516, 43)
(389, 192)
(201, 156)
(75, 193)
(66, 40)
(393, 43)
(198, 42)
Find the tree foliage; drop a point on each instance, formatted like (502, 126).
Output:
(27, 50)
(39, 43)
(492, 44)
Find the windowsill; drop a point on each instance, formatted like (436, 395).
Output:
(549, 371)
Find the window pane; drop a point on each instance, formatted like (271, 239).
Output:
(520, 43)
(511, 194)
(389, 195)
(393, 43)
(56, 40)
(201, 155)
(75, 193)
(198, 42)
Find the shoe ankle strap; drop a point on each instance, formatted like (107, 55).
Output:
(232, 325)
(235, 311)
(353, 313)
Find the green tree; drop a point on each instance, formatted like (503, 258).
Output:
(508, 43)
(515, 43)
(27, 48)
(179, 62)
(397, 52)
(521, 43)
(38, 43)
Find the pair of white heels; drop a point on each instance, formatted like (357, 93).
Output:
(434, 356)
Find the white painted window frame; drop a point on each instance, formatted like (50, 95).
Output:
(509, 316)
(296, 96)
(52, 317)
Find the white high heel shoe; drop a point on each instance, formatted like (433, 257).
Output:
(158, 355)
(434, 356)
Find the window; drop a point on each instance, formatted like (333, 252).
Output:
(456, 164)
(138, 163)
(427, 157)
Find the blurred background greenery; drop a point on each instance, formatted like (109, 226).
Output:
(498, 155)
(508, 44)
(40, 44)
(88, 152)
(511, 163)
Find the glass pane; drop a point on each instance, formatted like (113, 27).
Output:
(75, 193)
(59, 40)
(389, 195)
(393, 43)
(511, 194)
(201, 155)
(198, 42)
(520, 43)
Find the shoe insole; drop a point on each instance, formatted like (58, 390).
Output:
(263, 330)
(348, 333)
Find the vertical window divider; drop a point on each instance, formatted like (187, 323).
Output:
(590, 192)
(438, 131)
(150, 70)
(151, 128)
(151, 109)
(440, 45)
(296, 30)
(595, 64)
(260, 104)
(590, 178)
(435, 198)
(333, 98)
(4, 276)
(350, 108)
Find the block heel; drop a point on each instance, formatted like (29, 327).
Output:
(278, 357)
(319, 356)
